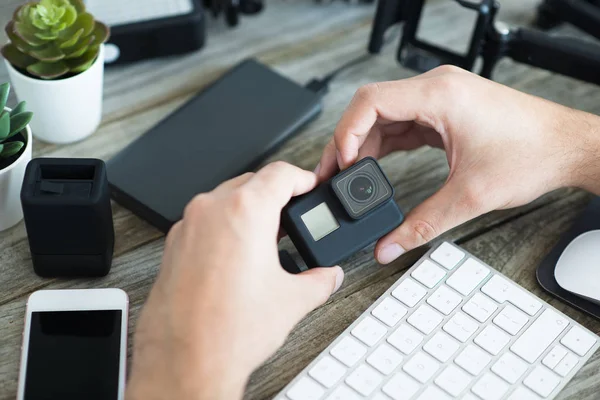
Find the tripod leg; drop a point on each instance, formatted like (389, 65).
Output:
(568, 56)
(389, 12)
(584, 14)
(546, 18)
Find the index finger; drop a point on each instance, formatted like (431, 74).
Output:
(414, 99)
(392, 101)
(278, 182)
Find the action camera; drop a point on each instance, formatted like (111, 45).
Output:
(343, 215)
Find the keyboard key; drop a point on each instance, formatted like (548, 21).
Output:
(405, 339)
(536, 339)
(385, 359)
(522, 394)
(401, 387)
(578, 340)
(461, 327)
(542, 381)
(369, 331)
(409, 292)
(468, 276)
(510, 367)
(490, 387)
(447, 256)
(511, 320)
(379, 396)
(343, 393)
(453, 380)
(492, 339)
(425, 319)
(364, 380)
(433, 393)
(553, 358)
(305, 389)
(421, 367)
(441, 346)
(501, 290)
(428, 273)
(566, 364)
(348, 351)
(327, 371)
(469, 396)
(480, 307)
(473, 360)
(389, 311)
(444, 300)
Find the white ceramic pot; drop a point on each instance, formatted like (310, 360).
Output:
(11, 180)
(65, 110)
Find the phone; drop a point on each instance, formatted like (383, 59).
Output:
(74, 345)
(227, 129)
(343, 215)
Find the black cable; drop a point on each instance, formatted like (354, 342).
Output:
(321, 85)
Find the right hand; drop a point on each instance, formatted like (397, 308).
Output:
(504, 148)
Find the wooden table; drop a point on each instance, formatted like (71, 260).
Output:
(301, 39)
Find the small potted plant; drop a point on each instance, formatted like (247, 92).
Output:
(15, 153)
(55, 60)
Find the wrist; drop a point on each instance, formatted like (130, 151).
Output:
(142, 387)
(156, 376)
(585, 171)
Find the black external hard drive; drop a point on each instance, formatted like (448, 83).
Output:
(227, 129)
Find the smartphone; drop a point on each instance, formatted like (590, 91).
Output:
(74, 345)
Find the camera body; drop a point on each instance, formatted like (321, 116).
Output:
(343, 215)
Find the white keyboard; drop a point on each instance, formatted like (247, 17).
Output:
(450, 328)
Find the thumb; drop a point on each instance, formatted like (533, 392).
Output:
(316, 285)
(449, 207)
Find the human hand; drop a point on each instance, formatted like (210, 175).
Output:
(504, 148)
(222, 304)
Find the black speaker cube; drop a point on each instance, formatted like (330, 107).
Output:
(68, 217)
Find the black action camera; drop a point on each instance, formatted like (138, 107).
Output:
(343, 215)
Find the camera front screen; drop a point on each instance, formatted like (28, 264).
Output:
(320, 221)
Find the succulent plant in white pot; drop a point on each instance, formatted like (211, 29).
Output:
(15, 153)
(55, 60)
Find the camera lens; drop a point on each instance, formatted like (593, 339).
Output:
(362, 188)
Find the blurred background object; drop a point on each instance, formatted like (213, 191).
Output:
(487, 40)
(160, 28)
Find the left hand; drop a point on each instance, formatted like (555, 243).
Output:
(222, 304)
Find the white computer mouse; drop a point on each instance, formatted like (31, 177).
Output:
(578, 268)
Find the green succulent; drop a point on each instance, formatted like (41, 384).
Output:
(52, 39)
(11, 124)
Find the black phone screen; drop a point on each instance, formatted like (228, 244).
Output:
(73, 355)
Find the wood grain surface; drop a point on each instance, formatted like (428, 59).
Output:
(301, 40)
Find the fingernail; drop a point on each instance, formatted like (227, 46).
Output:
(339, 279)
(389, 253)
(317, 169)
